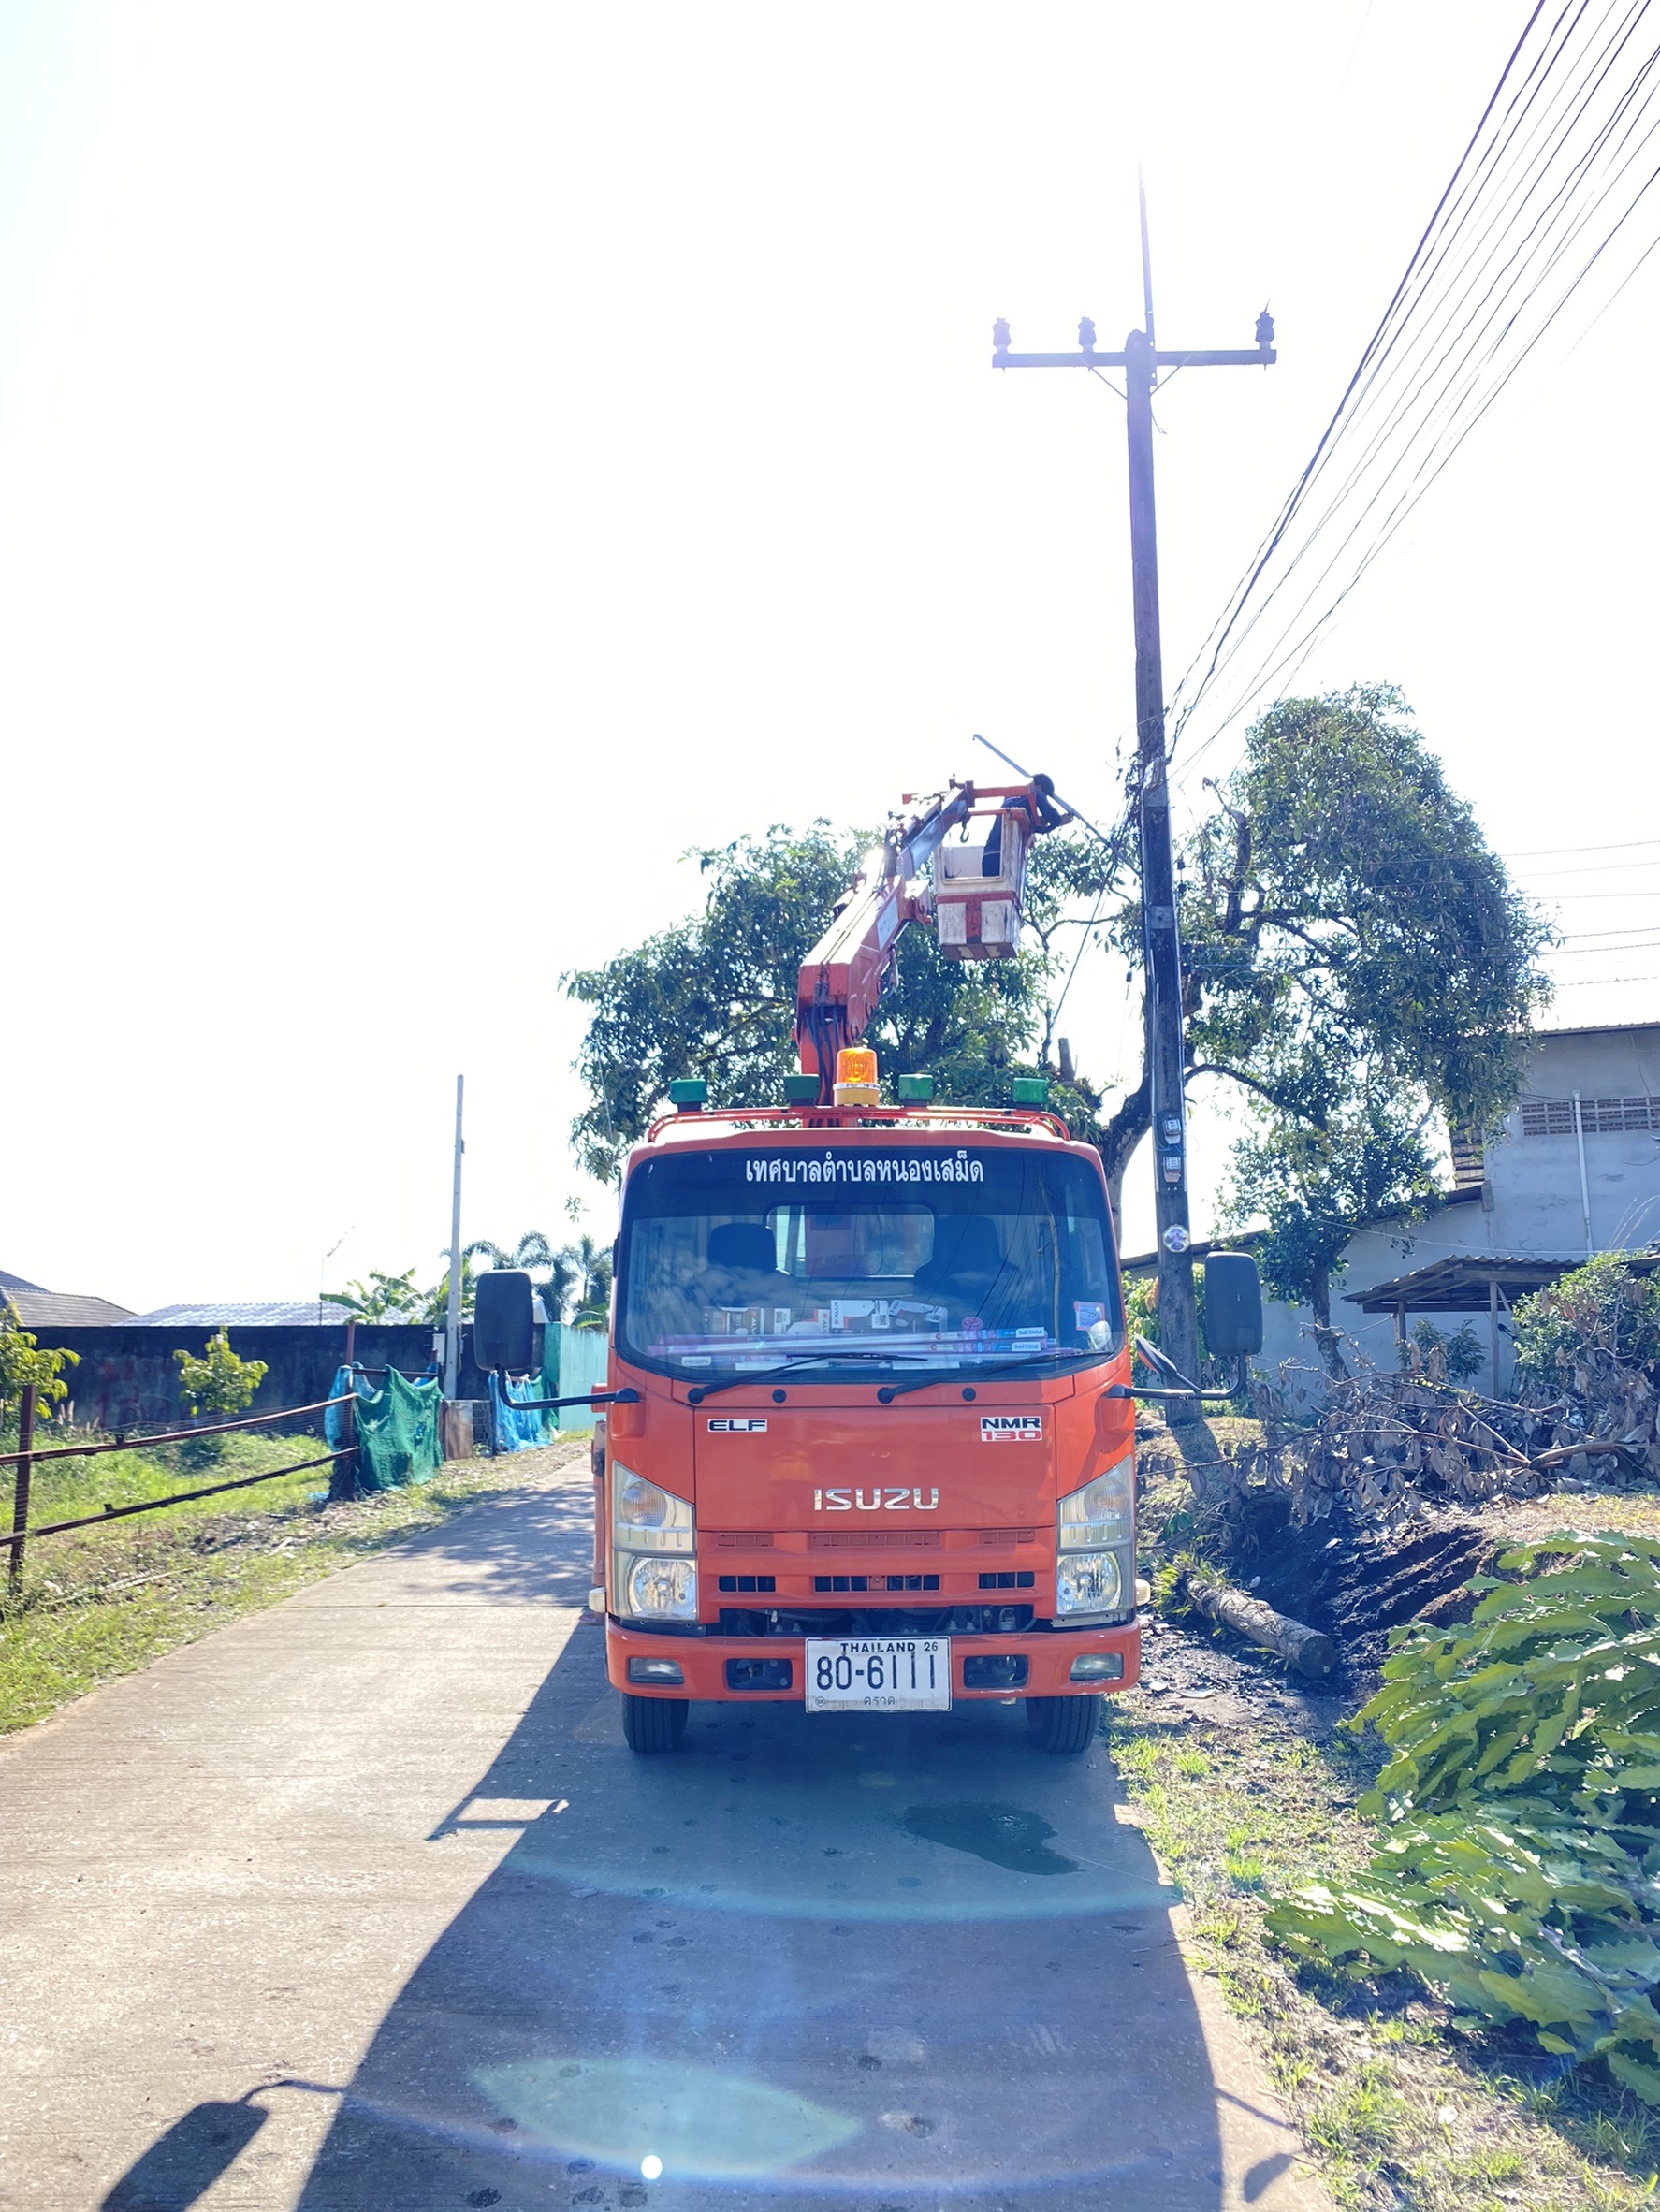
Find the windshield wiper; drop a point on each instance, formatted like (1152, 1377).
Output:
(699, 1391)
(889, 1391)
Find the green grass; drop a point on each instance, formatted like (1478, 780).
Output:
(1401, 2105)
(100, 1602)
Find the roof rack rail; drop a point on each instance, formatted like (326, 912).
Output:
(858, 1117)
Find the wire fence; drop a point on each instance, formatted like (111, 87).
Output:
(25, 1459)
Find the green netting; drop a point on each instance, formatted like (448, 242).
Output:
(397, 1430)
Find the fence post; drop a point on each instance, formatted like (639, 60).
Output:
(19, 1503)
(343, 1478)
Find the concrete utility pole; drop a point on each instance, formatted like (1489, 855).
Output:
(452, 1323)
(1140, 361)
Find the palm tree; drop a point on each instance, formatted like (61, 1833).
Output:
(383, 1298)
(590, 1268)
(533, 1250)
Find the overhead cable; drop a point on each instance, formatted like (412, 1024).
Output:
(1566, 151)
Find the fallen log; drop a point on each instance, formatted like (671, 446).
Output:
(1305, 1649)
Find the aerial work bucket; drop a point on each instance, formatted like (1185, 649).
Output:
(978, 890)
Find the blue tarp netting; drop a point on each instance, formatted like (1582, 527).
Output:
(516, 1431)
(397, 1428)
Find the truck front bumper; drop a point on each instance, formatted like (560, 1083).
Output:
(703, 1660)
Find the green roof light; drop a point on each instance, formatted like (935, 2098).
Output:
(688, 1093)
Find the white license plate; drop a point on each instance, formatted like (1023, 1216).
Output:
(879, 1674)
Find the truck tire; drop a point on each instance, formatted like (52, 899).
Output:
(653, 1724)
(1065, 1724)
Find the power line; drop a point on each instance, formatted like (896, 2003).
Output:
(1548, 851)
(1495, 266)
(1271, 544)
(1507, 189)
(1603, 867)
(1644, 944)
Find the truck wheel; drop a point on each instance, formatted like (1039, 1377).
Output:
(1064, 1723)
(653, 1724)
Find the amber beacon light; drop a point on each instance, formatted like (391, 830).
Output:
(855, 1077)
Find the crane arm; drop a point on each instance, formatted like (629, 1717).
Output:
(842, 978)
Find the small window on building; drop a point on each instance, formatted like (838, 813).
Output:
(1469, 1167)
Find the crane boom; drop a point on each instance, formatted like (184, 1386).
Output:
(974, 902)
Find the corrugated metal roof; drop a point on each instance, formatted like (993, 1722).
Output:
(1597, 1029)
(221, 1315)
(65, 1309)
(1459, 1284)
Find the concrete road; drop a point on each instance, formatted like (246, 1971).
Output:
(362, 1906)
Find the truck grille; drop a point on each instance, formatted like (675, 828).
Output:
(877, 1582)
(879, 1539)
(877, 1621)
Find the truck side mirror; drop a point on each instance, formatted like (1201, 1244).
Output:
(1233, 1305)
(504, 1320)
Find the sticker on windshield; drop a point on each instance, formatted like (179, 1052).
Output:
(1011, 1428)
(1087, 1314)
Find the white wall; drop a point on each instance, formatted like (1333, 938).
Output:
(1530, 1207)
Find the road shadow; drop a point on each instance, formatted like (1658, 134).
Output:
(763, 1969)
(181, 2167)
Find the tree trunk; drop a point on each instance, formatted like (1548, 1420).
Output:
(1305, 1649)
(1328, 1341)
(1121, 1136)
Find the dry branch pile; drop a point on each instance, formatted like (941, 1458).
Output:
(1382, 1444)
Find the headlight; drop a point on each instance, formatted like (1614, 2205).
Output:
(1088, 1583)
(662, 1589)
(653, 1574)
(1102, 1512)
(646, 1518)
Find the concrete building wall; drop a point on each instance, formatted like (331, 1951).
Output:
(1537, 1204)
(1532, 1203)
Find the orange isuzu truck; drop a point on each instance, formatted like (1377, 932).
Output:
(869, 1442)
(878, 1449)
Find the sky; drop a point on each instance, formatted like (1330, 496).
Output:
(454, 460)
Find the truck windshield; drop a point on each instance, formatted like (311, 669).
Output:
(886, 1258)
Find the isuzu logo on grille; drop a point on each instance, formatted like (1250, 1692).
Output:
(901, 1499)
(1011, 1428)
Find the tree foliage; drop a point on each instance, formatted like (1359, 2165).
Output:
(1358, 963)
(1461, 1351)
(1518, 1865)
(591, 1283)
(1315, 1181)
(22, 1363)
(714, 996)
(219, 1383)
(1603, 1312)
(380, 1297)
